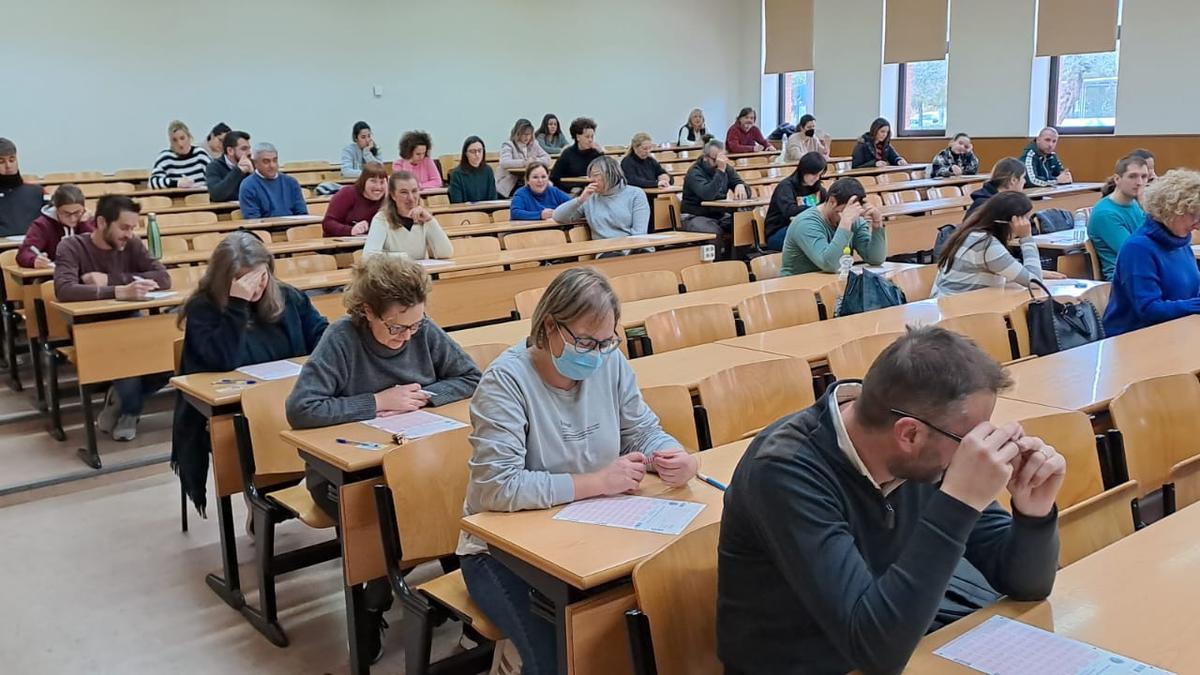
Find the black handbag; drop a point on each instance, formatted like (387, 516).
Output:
(1055, 326)
(866, 291)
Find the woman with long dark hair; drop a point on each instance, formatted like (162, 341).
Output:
(875, 147)
(362, 149)
(794, 194)
(550, 134)
(473, 180)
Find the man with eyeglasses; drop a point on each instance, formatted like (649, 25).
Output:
(855, 526)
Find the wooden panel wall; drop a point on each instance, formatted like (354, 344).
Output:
(1090, 158)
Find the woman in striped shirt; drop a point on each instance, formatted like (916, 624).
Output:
(181, 165)
(977, 255)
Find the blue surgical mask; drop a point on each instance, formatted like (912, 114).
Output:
(577, 365)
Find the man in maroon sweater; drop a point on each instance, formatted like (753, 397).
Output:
(65, 217)
(111, 262)
(744, 136)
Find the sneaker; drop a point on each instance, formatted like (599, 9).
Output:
(126, 428)
(107, 419)
(375, 629)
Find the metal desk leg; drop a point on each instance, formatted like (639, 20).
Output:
(89, 453)
(228, 588)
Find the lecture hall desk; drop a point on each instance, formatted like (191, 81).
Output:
(1137, 598)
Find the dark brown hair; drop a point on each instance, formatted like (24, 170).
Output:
(411, 140)
(993, 218)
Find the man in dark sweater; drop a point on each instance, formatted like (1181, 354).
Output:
(111, 263)
(845, 522)
(20, 202)
(710, 178)
(224, 175)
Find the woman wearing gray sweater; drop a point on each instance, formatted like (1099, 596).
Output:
(557, 419)
(612, 208)
(361, 150)
(385, 358)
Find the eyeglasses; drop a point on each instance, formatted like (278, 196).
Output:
(955, 437)
(587, 344)
(401, 329)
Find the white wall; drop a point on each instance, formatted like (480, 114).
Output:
(299, 74)
(848, 51)
(991, 52)
(1156, 90)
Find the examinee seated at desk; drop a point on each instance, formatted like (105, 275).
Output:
(710, 178)
(537, 199)
(557, 419)
(839, 548)
(268, 193)
(1118, 214)
(815, 244)
(385, 358)
(799, 191)
(611, 206)
(354, 206)
(402, 227)
(66, 216)
(111, 263)
(239, 315)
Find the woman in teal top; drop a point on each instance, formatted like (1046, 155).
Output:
(818, 237)
(472, 180)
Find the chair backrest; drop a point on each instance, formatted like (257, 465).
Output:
(971, 187)
(777, 309)
(854, 358)
(1071, 435)
(891, 177)
(534, 239)
(916, 282)
(428, 478)
(101, 189)
(303, 232)
(987, 329)
(644, 285)
(263, 408)
(944, 192)
(461, 218)
(236, 214)
(579, 233)
(1159, 426)
(176, 244)
(437, 200)
(766, 266)
(745, 398)
(688, 326)
(484, 354)
(501, 215)
(168, 220)
(184, 279)
(207, 241)
(673, 405)
(1093, 260)
(465, 246)
(318, 208)
(197, 198)
(901, 196)
(56, 323)
(12, 290)
(306, 264)
(154, 202)
(177, 351)
(874, 199)
(714, 275)
(527, 301)
(677, 590)
(865, 180)
(1098, 296)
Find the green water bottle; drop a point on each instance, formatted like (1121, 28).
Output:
(153, 238)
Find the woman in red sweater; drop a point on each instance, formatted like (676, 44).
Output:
(352, 208)
(744, 136)
(66, 216)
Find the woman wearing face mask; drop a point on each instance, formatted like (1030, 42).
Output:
(557, 418)
(240, 314)
(385, 358)
(875, 147)
(517, 153)
(794, 194)
(957, 159)
(537, 199)
(65, 217)
(805, 140)
(362, 149)
(403, 227)
(353, 208)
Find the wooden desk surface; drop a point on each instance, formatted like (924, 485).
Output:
(586, 556)
(504, 227)
(1104, 598)
(926, 183)
(508, 333)
(923, 206)
(1059, 241)
(269, 224)
(688, 366)
(1060, 190)
(490, 205)
(8, 243)
(1086, 378)
(204, 388)
(322, 442)
(167, 192)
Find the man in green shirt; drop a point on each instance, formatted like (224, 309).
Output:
(818, 237)
(1118, 215)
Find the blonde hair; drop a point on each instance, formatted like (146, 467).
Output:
(381, 281)
(577, 292)
(638, 138)
(176, 125)
(1175, 193)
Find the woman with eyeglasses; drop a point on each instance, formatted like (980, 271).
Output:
(557, 418)
(384, 358)
(404, 228)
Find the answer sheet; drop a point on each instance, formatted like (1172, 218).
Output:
(647, 514)
(271, 370)
(1001, 646)
(418, 424)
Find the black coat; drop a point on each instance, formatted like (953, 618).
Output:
(864, 153)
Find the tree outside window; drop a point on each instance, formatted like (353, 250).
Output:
(795, 96)
(1083, 93)
(922, 99)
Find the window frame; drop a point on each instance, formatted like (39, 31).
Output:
(1052, 106)
(902, 113)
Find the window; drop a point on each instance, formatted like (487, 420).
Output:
(1083, 93)
(795, 96)
(922, 99)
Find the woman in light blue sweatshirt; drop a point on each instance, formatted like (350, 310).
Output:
(537, 199)
(360, 151)
(612, 208)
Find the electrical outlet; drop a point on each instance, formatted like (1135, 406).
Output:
(377, 90)
(708, 253)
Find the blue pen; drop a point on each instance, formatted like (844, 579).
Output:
(713, 482)
(361, 445)
(232, 381)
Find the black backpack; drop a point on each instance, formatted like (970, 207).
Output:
(1052, 220)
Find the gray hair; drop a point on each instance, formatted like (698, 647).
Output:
(260, 148)
(577, 292)
(610, 170)
(7, 148)
(714, 143)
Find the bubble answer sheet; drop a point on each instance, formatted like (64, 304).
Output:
(647, 514)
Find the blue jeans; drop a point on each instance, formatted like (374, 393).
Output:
(775, 241)
(134, 390)
(504, 597)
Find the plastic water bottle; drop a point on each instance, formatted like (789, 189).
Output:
(1080, 230)
(153, 238)
(844, 264)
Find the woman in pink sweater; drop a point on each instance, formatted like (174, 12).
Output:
(415, 159)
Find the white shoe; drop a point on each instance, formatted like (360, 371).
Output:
(107, 419)
(126, 428)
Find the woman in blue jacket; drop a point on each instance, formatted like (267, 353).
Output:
(537, 199)
(1156, 278)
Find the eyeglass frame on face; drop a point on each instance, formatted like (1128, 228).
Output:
(952, 436)
(397, 329)
(614, 341)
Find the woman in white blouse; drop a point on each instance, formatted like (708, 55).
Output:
(404, 227)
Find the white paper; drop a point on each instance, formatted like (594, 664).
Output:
(430, 262)
(1001, 646)
(418, 424)
(655, 236)
(158, 295)
(16, 237)
(646, 514)
(272, 370)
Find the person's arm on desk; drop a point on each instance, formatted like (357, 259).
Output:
(314, 401)
(642, 433)
(457, 374)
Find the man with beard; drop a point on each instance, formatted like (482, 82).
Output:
(846, 524)
(20, 203)
(112, 263)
